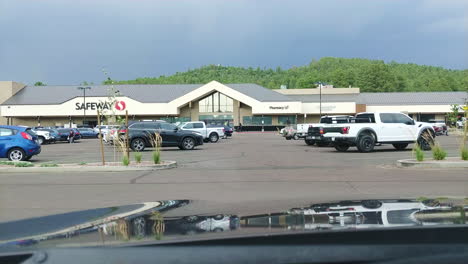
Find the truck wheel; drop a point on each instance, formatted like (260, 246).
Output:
(341, 147)
(400, 146)
(426, 140)
(296, 137)
(40, 140)
(310, 142)
(214, 137)
(288, 138)
(366, 143)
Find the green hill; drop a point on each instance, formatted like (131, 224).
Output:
(369, 75)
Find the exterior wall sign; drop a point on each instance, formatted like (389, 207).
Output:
(93, 106)
(119, 105)
(279, 107)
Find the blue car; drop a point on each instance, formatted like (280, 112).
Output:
(88, 132)
(18, 143)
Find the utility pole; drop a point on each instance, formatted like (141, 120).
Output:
(84, 101)
(320, 89)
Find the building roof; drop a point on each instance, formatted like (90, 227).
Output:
(145, 93)
(328, 98)
(258, 92)
(412, 98)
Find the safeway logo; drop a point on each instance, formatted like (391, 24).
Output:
(120, 105)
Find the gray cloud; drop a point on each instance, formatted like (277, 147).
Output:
(66, 41)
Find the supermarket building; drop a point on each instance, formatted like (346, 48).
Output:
(214, 102)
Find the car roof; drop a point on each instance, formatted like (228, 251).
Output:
(21, 128)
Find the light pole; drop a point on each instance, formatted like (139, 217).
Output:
(84, 101)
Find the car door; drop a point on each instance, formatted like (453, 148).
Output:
(169, 134)
(389, 130)
(6, 140)
(407, 127)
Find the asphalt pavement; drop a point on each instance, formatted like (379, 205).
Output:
(248, 173)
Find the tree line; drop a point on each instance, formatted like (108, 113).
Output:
(369, 75)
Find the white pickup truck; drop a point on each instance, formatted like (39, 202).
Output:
(43, 136)
(211, 134)
(368, 129)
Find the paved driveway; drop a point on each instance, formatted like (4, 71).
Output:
(248, 173)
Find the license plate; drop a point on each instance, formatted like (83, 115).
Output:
(333, 139)
(310, 137)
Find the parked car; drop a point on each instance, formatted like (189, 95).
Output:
(141, 135)
(88, 133)
(211, 134)
(460, 123)
(368, 129)
(228, 131)
(440, 127)
(104, 128)
(337, 119)
(43, 136)
(18, 143)
(64, 132)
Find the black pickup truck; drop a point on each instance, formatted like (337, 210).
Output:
(314, 133)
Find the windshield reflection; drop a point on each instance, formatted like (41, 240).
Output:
(151, 221)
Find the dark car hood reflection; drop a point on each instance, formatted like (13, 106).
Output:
(165, 220)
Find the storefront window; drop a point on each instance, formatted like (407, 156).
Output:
(283, 120)
(173, 119)
(216, 103)
(256, 120)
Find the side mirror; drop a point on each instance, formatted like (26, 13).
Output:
(176, 129)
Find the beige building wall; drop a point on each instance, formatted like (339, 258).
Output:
(185, 111)
(7, 90)
(244, 110)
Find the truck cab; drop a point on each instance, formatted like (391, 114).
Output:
(211, 134)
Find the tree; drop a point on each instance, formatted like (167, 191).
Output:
(39, 84)
(452, 116)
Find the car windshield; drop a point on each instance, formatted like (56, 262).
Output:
(192, 120)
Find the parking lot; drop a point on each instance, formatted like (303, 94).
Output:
(243, 173)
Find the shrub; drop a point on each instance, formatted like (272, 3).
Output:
(138, 157)
(7, 162)
(419, 153)
(438, 153)
(23, 164)
(125, 160)
(46, 165)
(156, 157)
(82, 163)
(464, 153)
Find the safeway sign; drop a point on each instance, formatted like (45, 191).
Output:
(120, 105)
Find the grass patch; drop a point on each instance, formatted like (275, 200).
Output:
(23, 164)
(156, 156)
(464, 153)
(82, 163)
(7, 162)
(438, 153)
(49, 165)
(418, 152)
(125, 160)
(138, 156)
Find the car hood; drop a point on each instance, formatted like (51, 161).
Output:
(173, 220)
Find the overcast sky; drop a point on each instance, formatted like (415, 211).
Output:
(70, 41)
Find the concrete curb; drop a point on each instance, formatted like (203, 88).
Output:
(169, 165)
(447, 163)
